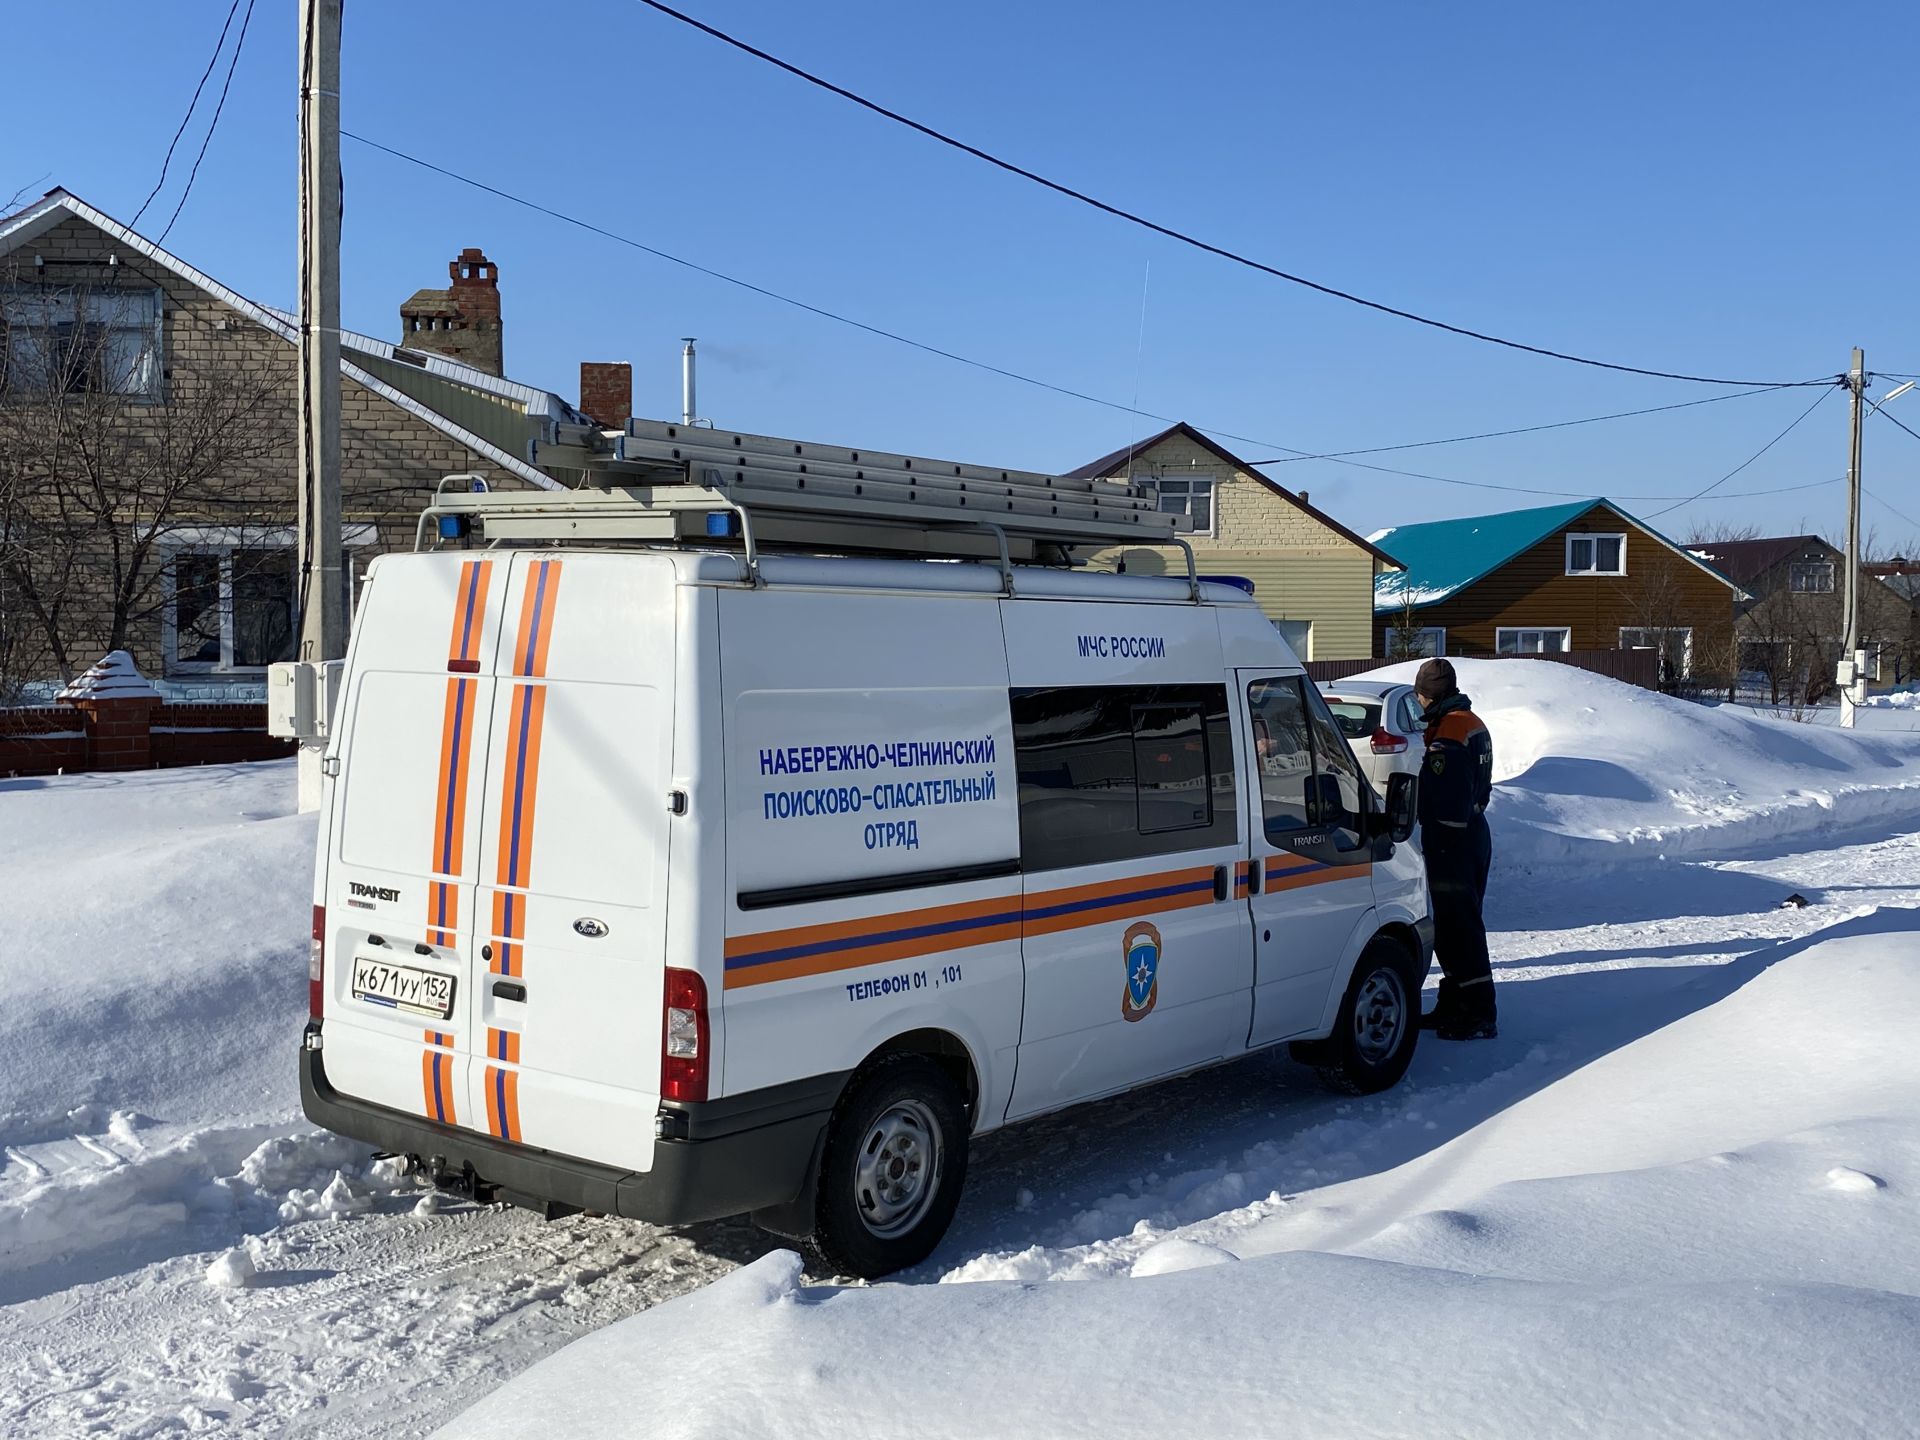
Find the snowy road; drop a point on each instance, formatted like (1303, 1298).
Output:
(380, 1321)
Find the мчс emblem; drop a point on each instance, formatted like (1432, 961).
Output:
(1142, 950)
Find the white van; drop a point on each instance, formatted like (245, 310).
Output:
(656, 884)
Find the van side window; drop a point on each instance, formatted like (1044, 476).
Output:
(1333, 756)
(1283, 750)
(1113, 772)
(1170, 764)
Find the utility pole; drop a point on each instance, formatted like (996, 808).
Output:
(1852, 682)
(322, 594)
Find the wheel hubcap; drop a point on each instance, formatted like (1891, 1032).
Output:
(898, 1171)
(1379, 1016)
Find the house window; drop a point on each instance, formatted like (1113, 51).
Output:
(1425, 640)
(229, 596)
(1596, 554)
(1810, 577)
(1674, 642)
(229, 608)
(1531, 641)
(1190, 495)
(74, 341)
(1299, 637)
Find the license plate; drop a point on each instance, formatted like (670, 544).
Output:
(402, 987)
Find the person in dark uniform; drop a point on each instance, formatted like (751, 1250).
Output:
(1456, 781)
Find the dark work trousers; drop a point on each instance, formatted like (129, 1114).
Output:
(1457, 863)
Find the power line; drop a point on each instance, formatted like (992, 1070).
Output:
(1522, 430)
(1903, 425)
(1749, 460)
(214, 124)
(1178, 235)
(968, 360)
(192, 105)
(1895, 513)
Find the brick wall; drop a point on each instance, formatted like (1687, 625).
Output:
(60, 739)
(391, 459)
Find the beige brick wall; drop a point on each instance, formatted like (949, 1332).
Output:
(1301, 568)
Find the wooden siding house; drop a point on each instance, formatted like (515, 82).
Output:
(1581, 576)
(1312, 576)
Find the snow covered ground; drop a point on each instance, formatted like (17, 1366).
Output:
(1677, 1196)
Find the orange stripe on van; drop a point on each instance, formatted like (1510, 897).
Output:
(449, 841)
(902, 935)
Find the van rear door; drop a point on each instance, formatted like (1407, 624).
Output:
(565, 988)
(402, 855)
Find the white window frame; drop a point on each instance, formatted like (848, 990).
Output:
(39, 309)
(1186, 484)
(1595, 537)
(1501, 632)
(1794, 587)
(1654, 639)
(223, 541)
(1299, 652)
(1432, 639)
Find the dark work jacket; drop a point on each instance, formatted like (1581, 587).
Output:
(1456, 778)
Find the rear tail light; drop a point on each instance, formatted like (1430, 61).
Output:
(317, 963)
(1385, 742)
(685, 1046)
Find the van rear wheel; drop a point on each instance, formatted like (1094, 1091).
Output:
(894, 1164)
(1377, 1028)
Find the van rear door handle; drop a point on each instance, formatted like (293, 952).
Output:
(1222, 881)
(509, 990)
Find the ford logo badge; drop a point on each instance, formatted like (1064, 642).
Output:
(591, 928)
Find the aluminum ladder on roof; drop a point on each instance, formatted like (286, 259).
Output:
(663, 482)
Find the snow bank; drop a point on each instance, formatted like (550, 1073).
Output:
(154, 953)
(1591, 770)
(1713, 1230)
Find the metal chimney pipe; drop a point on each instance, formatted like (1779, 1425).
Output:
(687, 408)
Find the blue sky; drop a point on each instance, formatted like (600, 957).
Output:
(1719, 190)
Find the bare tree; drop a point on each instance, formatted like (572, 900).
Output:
(1404, 638)
(1722, 532)
(105, 453)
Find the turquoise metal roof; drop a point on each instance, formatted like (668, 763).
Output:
(1443, 557)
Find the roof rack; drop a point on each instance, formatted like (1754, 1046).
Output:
(678, 484)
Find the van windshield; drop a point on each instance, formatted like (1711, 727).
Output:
(1356, 719)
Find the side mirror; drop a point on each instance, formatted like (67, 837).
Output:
(1324, 806)
(1403, 803)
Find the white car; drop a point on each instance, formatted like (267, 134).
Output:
(1381, 722)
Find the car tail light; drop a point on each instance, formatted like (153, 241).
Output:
(1385, 742)
(317, 963)
(685, 1048)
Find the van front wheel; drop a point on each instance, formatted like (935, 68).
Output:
(1379, 1024)
(895, 1160)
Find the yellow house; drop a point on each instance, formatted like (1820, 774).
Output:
(1312, 575)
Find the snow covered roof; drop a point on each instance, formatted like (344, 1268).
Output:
(1444, 557)
(112, 677)
(58, 205)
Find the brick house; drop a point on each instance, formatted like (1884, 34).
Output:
(1312, 576)
(1581, 576)
(103, 333)
(1789, 630)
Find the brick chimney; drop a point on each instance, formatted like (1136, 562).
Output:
(463, 321)
(606, 392)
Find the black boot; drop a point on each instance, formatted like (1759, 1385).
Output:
(1464, 1027)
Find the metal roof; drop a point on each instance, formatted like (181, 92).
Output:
(1444, 557)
